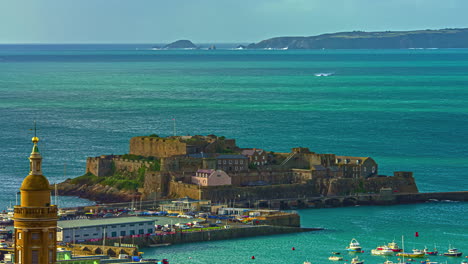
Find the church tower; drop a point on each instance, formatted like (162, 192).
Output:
(35, 219)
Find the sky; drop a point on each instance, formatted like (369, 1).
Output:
(214, 21)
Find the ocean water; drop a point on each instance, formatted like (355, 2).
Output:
(408, 109)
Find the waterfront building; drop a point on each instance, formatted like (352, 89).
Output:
(232, 163)
(35, 219)
(80, 230)
(185, 205)
(357, 167)
(256, 156)
(211, 177)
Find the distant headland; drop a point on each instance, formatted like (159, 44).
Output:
(443, 38)
(417, 39)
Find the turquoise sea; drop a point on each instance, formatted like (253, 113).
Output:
(408, 109)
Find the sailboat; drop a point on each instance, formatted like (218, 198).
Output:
(415, 254)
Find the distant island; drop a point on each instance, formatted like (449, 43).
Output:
(181, 44)
(426, 39)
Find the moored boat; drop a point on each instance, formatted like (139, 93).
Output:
(356, 260)
(433, 253)
(354, 246)
(453, 252)
(382, 251)
(335, 258)
(394, 246)
(415, 254)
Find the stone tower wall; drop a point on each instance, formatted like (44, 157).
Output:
(157, 147)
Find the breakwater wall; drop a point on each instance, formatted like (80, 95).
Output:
(230, 233)
(195, 236)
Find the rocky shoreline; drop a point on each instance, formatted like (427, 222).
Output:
(97, 192)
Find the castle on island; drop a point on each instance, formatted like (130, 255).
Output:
(215, 168)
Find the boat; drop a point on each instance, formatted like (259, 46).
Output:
(382, 251)
(427, 261)
(394, 246)
(415, 254)
(453, 252)
(354, 246)
(356, 260)
(433, 253)
(307, 262)
(388, 262)
(335, 258)
(323, 74)
(336, 253)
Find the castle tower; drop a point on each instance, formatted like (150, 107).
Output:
(35, 219)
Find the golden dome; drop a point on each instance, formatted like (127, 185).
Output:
(35, 139)
(35, 183)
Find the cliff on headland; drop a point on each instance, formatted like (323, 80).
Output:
(443, 38)
(181, 44)
(95, 192)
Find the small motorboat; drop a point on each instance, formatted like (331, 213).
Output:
(427, 261)
(394, 247)
(453, 252)
(354, 246)
(415, 254)
(335, 258)
(336, 253)
(356, 260)
(433, 253)
(307, 262)
(382, 251)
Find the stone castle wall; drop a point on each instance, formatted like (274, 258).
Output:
(157, 147)
(99, 166)
(132, 166)
(221, 193)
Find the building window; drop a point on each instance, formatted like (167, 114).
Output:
(114, 234)
(114, 226)
(20, 259)
(237, 168)
(19, 235)
(256, 157)
(224, 162)
(140, 224)
(132, 224)
(150, 230)
(51, 256)
(230, 161)
(122, 225)
(141, 231)
(51, 235)
(241, 162)
(122, 233)
(35, 236)
(132, 232)
(219, 161)
(35, 257)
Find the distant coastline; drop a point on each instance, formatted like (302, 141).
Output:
(424, 39)
(456, 38)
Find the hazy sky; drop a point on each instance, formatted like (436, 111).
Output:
(204, 21)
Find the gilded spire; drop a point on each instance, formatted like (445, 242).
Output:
(35, 158)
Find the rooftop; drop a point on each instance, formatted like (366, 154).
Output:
(79, 223)
(232, 157)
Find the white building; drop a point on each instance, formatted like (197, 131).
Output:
(80, 230)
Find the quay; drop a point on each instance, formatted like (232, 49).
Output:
(385, 197)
